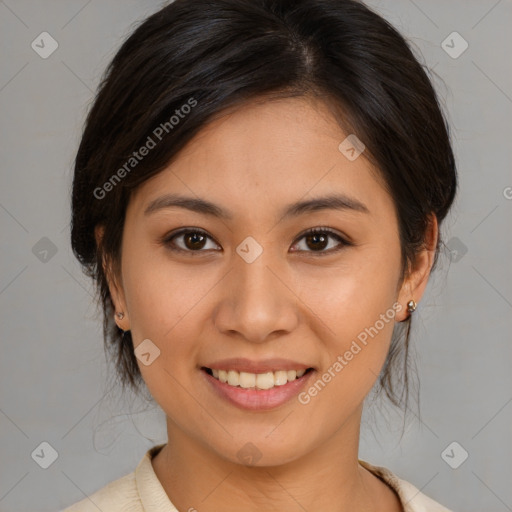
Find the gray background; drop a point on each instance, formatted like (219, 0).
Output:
(55, 385)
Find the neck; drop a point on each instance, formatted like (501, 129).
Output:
(327, 477)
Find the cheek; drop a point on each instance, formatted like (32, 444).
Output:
(161, 301)
(356, 305)
(160, 294)
(354, 351)
(352, 295)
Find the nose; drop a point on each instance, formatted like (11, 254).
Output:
(257, 303)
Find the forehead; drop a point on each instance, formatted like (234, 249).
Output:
(267, 154)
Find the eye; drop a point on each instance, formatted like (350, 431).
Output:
(190, 240)
(322, 241)
(318, 240)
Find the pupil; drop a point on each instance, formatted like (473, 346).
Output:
(315, 238)
(196, 240)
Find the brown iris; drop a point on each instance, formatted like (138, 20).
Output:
(194, 240)
(318, 241)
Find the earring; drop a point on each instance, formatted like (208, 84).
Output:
(411, 306)
(120, 315)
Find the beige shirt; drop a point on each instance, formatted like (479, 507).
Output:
(141, 491)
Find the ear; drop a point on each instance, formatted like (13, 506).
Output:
(115, 288)
(416, 279)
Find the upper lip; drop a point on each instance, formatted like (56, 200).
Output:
(241, 364)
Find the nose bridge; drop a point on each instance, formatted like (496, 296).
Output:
(258, 303)
(256, 284)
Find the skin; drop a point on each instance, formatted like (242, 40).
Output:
(199, 307)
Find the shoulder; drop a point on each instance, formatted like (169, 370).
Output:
(138, 491)
(411, 498)
(121, 495)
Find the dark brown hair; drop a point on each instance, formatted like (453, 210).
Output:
(217, 54)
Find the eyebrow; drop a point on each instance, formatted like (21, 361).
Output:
(330, 202)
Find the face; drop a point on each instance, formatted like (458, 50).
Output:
(221, 271)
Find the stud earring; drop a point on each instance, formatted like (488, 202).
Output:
(120, 315)
(411, 306)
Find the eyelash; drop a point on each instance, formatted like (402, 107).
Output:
(168, 240)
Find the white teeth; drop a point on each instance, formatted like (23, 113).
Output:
(265, 380)
(247, 380)
(280, 378)
(257, 380)
(292, 374)
(233, 378)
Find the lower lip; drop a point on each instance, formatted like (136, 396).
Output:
(258, 400)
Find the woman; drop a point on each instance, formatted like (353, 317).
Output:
(258, 195)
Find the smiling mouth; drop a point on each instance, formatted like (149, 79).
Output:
(262, 381)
